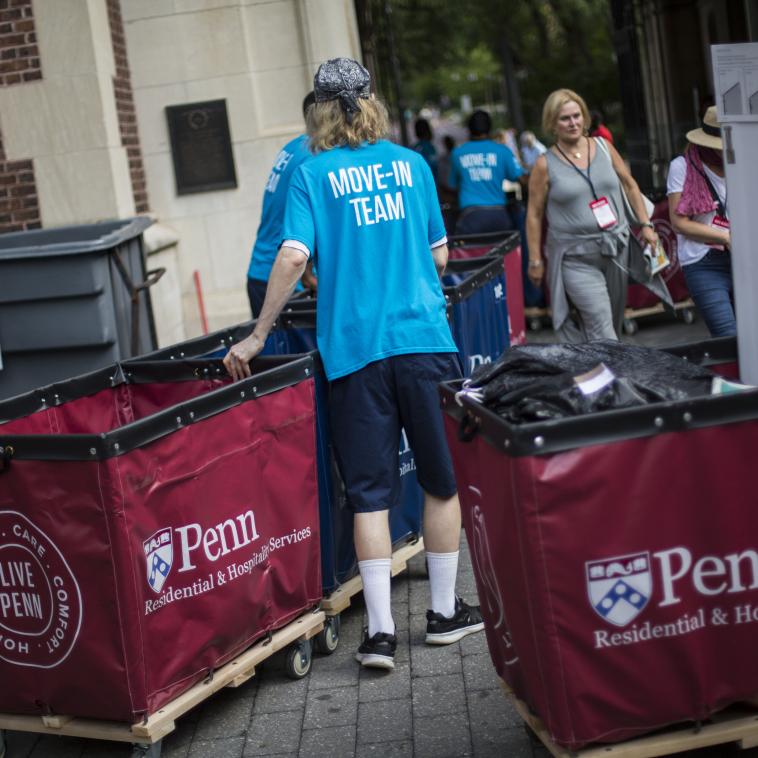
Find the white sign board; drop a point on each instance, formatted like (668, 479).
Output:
(735, 76)
(735, 79)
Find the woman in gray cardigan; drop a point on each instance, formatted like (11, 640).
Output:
(578, 185)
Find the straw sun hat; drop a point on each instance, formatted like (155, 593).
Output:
(709, 135)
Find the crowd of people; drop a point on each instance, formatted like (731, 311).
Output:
(581, 232)
(360, 218)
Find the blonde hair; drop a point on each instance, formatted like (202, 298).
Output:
(328, 127)
(552, 108)
(501, 136)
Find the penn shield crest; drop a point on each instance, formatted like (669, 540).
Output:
(619, 588)
(159, 556)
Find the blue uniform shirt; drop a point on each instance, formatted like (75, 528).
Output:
(429, 151)
(269, 236)
(372, 215)
(477, 170)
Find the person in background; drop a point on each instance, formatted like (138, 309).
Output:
(531, 149)
(447, 195)
(269, 234)
(444, 161)
(424, 144)
(577, 183)
(478, 169)
(368, 209)
(598, 127)
(507, 137)
(700, 217)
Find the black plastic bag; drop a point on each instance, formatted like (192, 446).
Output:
(540, 382)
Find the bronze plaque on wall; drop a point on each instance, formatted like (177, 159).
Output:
(201, 147)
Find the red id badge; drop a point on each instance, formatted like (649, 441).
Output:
(603, 213)
(719, 222)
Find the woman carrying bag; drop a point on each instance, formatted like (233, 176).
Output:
(579, 184)
(700, 217)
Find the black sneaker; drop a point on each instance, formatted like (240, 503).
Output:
(467, 619)
(378, 651)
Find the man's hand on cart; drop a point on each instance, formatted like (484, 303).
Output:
(288, 268)
(237, 360)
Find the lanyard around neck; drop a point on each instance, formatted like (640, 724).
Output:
(587, 178)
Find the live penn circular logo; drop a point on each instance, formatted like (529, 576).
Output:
(40, 600)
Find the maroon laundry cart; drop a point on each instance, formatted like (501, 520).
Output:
(154, 522)
(616, 559)
(509, 246)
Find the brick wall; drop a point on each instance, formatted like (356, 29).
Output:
(19, 55)
(127, 115)
(19, 206)
(19, 63)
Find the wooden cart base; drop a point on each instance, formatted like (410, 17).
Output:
(738, 724)
(341, 598)
(535, 317)
(162, 722)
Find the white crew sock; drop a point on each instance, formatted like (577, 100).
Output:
(375, 575)
(443, 568)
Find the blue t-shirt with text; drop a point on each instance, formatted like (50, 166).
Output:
(269, 236)
(477, 170)
(372, 215)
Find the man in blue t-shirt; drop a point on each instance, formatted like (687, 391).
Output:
(478, 169)
(269, 235)
(369, 208)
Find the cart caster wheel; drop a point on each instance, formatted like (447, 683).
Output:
(146, 751)
(535, 324)
(688, 315)
(326, 641)
(630, 326)
(297, 664)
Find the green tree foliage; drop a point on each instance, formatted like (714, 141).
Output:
(447, 48)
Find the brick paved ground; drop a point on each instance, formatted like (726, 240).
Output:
(440, 702)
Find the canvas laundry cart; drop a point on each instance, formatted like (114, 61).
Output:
(155, 523)
(616, 560)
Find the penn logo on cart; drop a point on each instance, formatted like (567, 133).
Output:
(207, 557)
(681, 593)
(619, 588)
(40, 599)
(159, 554)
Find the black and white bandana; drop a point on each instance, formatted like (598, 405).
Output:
(343, 79)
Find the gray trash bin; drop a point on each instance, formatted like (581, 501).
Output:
(72, 300)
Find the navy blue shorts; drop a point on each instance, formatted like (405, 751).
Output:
(369, 408)
(256, 293)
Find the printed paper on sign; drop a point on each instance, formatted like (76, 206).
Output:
(619, 588)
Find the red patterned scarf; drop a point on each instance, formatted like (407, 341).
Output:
(696, 198)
